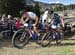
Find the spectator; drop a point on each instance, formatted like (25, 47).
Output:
(4, 19)
(45, 15)
(18, 23)
(4, 22)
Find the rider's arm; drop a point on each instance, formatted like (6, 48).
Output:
(22, 19)
(52, 21)
(62, 22)
(26, 20)
(36, 20)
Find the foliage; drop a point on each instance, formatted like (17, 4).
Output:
(59, 7)
(11, 7)
(37, 9)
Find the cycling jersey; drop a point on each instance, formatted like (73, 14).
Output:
(30, 15)
(56, 20)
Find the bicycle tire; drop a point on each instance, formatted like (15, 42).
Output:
(25, 40)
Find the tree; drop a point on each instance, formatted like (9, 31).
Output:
(11, 6)
(3, 5)
(33, 7)
(37, 9)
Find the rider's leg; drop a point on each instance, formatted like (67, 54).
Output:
(35, 30)
(59, 29)
(60, 33)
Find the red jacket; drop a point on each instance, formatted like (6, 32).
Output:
(18, 24)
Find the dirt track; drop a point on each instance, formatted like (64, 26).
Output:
(32, 48)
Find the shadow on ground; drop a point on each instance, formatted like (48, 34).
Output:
(69, 35)
(7, 42)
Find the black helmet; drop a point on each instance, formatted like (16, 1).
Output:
(56, 16)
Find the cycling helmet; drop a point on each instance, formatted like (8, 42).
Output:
(56, 16)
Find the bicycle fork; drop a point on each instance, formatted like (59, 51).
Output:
(23, 36)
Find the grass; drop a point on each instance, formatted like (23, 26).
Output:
(64, 49)
(67, 48)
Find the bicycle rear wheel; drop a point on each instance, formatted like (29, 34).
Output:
(59, 38)
(41, 33)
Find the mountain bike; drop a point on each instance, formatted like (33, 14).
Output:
(52, 34)
(22, 36)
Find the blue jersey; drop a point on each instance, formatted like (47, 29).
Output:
(56, 20)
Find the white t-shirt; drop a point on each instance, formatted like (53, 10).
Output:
(45, 16)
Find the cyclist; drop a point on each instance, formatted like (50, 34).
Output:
(57, 23)
(30, 16)
(48, 15)
(57, 20)
(46, 18)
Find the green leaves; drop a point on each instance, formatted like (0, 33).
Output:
(11, 7)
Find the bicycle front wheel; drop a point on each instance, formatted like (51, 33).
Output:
(20, 38)
(46, 39)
